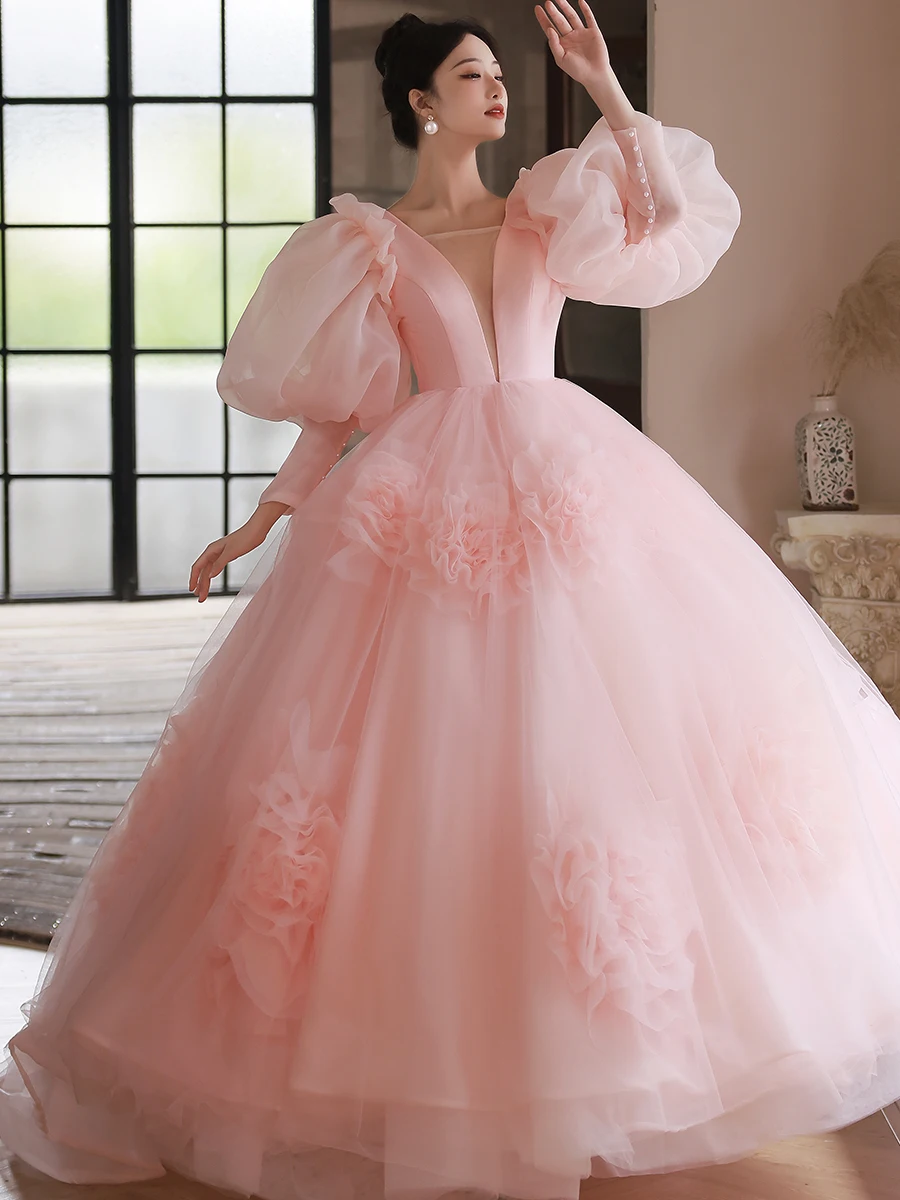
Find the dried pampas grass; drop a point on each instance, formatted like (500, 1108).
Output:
(865, 325)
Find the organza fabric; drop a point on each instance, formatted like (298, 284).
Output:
(520, 821)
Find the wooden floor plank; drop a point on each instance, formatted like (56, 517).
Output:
(85, 690)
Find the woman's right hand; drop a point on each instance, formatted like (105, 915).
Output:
(226, 549)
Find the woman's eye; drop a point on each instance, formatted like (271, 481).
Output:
(475, 75)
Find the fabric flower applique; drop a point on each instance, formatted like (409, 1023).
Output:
(466, 547)
(278, 887)
(616, 924)
(376, 515)
(792, 799)
(563, 497)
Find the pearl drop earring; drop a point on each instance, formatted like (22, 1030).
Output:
(431, 125)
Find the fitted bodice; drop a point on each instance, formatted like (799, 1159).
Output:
(474, 306)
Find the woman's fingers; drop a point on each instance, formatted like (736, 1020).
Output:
(209, 553)
(560, 22)
(589, 17)
(205, 567)
(560, 17)
(571, 16)
(550, 30)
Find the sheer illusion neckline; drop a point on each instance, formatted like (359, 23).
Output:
(453, 232)
(426, 240)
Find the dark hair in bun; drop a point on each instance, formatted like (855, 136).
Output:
(408, 54)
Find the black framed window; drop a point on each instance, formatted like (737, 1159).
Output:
(154, 156)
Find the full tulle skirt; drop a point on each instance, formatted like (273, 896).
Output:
(519, 821)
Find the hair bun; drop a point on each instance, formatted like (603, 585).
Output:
(392, 37)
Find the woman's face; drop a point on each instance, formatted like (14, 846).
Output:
(467, 85)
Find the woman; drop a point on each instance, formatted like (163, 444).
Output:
(522, 821)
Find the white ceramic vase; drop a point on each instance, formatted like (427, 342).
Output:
(825, 450)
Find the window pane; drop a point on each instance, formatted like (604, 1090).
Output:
(178, 287)
(4, 371)
(60, 532)
(54, 48)
(255, 445)
(59, 414)
(269, 47)
(2, 560)
(242, 497)
(270, 162)
(176, 48)
(57, 163)
(177, 519)
(249, 253)
(178, 162)
(58, 288)
(180, 417)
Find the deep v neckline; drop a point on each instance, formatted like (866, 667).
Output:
(419, 237)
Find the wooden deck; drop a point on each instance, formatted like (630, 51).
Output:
(84, 693)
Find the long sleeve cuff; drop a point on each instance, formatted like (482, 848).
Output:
(316, 450)
(654, 198)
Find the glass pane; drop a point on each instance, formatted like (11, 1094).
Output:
(59, 414)
(58, 288)
(177, 519)
(180, 419)
(249, 253)
(176, 48)
(178, 287)
(242, 497)
(2, 559)
(270, 157)
(269, 47)
(60, 536)
(177, 162)
(54, 48)
(57, 163)
(255, 445)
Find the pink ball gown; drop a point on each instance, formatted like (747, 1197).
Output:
(520, 821)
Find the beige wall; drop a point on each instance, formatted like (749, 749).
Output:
(799, 99)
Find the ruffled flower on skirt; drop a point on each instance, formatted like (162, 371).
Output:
(616, 927)
(466, 547)
(792, 796)
(280, 879)
(377, 511)
(562, 496)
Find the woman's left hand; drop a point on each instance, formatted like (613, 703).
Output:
(577, 45)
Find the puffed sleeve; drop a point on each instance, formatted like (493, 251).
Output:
(632, 217)
(317, 344)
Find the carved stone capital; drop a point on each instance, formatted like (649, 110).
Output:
(871, 632)
(853, 560)
(862, 566)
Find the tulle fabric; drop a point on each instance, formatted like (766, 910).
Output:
(520, 821)
(318, 343)
(318, 339)
(615, 232)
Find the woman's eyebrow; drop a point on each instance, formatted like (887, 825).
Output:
(465, 60)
